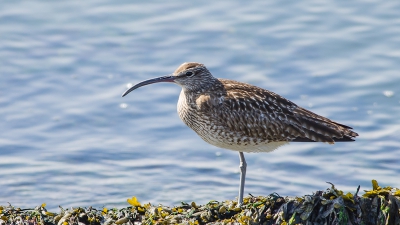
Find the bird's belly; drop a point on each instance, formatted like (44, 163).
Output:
(223, 137)
(237, 142)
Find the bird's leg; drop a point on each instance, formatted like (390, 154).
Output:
(242, 168)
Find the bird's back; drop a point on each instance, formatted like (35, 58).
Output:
(243, 117)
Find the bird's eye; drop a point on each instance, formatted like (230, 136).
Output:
(189, 74)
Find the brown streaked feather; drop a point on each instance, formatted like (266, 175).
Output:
(263, 115)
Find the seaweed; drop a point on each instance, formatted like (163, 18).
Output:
(379, 206)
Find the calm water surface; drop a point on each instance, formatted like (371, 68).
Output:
(68, 138)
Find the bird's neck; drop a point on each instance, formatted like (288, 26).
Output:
(200, 88)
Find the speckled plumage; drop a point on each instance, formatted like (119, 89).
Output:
(245, 118)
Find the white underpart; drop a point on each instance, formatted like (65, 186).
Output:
(225, 143)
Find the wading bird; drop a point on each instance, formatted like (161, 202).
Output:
(244, 118)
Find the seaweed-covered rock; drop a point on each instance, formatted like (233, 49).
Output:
(377, 206)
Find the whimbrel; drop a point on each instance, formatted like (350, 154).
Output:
(244, 118)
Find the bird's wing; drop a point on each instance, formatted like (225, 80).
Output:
(258, 113)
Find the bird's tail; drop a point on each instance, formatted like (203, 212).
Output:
(321, 129)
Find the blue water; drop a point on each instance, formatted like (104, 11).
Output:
(68, 138)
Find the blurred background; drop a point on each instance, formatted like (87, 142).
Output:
(68, 138)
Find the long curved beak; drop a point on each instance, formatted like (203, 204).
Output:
(168, 78)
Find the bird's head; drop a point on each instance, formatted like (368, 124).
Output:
(191, 76)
